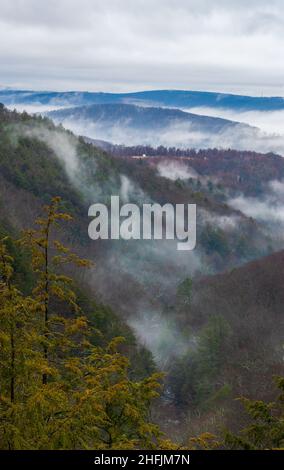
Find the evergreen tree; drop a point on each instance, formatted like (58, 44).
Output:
(58, 390)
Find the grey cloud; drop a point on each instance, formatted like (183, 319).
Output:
(122, 44)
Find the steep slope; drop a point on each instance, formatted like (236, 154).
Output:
(33, 156)
(30, 175)
(234, 325)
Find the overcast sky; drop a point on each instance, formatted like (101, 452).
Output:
(120, 45)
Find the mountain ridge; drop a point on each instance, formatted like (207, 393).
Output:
(132, 111)
(172, 98)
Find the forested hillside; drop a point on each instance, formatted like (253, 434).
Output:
(242, 171)
(238, 317)
(31, 174)
(211, 328)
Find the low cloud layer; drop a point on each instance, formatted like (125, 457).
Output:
(174, 171)
(271, 122)
(182, 135)
(267, 209)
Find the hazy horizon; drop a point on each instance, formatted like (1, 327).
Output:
(140, 90)
(121, 45)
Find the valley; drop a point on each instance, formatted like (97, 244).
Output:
(205, 318)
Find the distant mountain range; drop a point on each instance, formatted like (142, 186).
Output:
(171, 118)
(168, 98)
(138, 117)
(128, 123)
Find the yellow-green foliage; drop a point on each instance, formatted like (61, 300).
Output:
(57, 390)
